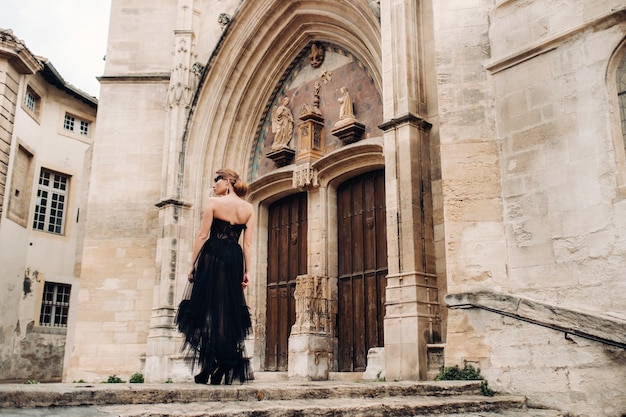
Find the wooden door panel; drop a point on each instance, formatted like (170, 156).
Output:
(344, 325)
(344, 214)
(271, 330)
(287, 237)
(371, 309)
(360, 342)
(362, 251)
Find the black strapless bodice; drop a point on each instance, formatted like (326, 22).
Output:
(221, 229)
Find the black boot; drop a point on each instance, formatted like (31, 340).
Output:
(202, 377)
(217, 375)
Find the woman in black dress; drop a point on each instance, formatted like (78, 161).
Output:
(213, 314)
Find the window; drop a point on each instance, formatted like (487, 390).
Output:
(74, 124)
(617, 87)
(32, 102)
(55, 305)
(51, 202)
(621, 93)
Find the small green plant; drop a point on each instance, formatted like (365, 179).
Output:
(32, 381)
(80, 381)
(136, 378)
(485, 390)
(114, 379)
(454, 373)
(468, 373)
(169, 381)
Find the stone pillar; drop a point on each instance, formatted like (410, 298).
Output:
(411, 297)
(163, 341)
(311, 339)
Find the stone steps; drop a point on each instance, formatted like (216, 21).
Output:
(260, 399)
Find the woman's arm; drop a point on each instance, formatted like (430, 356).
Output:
(247, 249)
(202, 235)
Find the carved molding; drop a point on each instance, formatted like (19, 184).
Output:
(313, 305)
(305, 176)
(408, 118)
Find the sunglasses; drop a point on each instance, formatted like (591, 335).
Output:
(219, 177)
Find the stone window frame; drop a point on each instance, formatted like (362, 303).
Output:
(55, 304)
(76, 125)
(42, 218)
(32, 102)
(617, 62)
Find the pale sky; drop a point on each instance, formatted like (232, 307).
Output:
(72, 34)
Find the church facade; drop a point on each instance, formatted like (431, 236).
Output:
(435, 183)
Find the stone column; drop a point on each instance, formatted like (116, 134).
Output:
(163, 342)
(411, 296)
(312, 339)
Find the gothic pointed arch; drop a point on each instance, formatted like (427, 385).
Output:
(252, 59)
(616, 86)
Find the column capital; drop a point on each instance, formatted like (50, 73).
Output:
(408, 118)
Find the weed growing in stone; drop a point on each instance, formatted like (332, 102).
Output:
(136, 378)
(468, 373)
(114, 379)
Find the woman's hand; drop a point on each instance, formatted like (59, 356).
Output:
(246, 280)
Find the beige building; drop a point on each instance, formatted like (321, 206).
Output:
(450, 189)
(46, 132)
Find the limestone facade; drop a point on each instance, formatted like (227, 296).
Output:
(46, 131)
(497, 126)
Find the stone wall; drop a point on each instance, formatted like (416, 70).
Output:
(551, 368)
(533, 202)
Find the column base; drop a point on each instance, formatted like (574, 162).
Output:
(310, 357)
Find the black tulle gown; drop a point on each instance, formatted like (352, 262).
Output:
(213, 314)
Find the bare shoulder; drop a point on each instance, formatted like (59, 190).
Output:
(210, 202)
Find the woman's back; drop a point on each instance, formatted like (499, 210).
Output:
(231, 209)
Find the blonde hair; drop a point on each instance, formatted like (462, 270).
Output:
(239, 186)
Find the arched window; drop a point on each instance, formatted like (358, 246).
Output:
(621, 94)
(616, 83)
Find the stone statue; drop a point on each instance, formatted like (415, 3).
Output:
(282, 125)
(317, 55)
(345, 105)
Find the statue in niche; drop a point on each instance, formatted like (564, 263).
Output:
(346, 111)
(317, 55)
(347, 128)
(282, 125)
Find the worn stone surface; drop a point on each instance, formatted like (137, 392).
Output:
(593, 326)
(260, 399)
(57, 395)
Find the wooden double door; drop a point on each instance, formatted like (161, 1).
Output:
(362, 257)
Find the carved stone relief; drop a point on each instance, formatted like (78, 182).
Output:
(313, 301)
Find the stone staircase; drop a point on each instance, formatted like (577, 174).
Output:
(262, 399)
